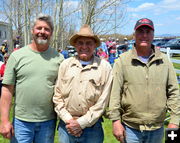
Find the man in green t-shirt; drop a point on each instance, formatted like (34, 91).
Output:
(30, 75)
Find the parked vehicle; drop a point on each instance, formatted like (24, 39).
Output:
(173, 44)
(160, 42)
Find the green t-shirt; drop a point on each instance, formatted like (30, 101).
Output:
(34, 75)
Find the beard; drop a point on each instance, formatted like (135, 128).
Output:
(41, 41)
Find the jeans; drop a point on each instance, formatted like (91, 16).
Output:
(137, 136)
(93, 134)
(33, 132)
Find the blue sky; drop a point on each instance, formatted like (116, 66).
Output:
(164, 13)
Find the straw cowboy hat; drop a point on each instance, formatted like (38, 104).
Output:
(85, 31)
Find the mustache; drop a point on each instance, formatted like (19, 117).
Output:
(45, 37)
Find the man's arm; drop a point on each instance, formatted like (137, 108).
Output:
(118, 131)
(6, 128)
(115, 100)
(72, 125)
(173, 96)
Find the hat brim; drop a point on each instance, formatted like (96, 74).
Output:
(74, 37)
(144, 25)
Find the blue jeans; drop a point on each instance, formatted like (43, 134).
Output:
(92, 134)
(137, 136)
(33, 132)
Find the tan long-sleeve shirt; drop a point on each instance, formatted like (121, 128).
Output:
(82, 92)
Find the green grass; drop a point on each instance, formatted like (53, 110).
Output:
(177, 66)
(108, 136)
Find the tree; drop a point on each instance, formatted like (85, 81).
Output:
(67, 15)
(102, 15)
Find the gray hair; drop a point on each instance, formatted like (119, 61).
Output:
(46, 18)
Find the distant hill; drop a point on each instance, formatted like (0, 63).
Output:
(169, 35)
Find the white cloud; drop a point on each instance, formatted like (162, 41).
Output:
(177, 18)
(157, 8)
(71, 4)
(134, 15)
(145, 6)
(166, 6)
(159, 24)
(169, 1)
(142, 7)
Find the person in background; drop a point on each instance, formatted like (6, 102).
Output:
(1, 56)
(144, 87)
(4, 47)
(2, 69)
(65, 53)
(82, 91)
(16, 41)
(103, 46)
(30, 76)
(17, 47)
(101, 54)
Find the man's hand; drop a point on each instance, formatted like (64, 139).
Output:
(73, 128)
(6, 129)
(118, 131)
(170, 125)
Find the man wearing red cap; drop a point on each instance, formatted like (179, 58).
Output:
(144, 87)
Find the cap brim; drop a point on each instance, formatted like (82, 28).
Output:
(144, 25)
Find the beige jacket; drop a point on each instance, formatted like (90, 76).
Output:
(142, 93)
(82, 92)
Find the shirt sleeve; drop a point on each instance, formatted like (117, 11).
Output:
(9, 75)
(115, 97)
(173, 95)
(58, 99)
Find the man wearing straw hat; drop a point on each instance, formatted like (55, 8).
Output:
(82, 91)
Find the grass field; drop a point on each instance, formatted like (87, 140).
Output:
(177, 66)
(107, 125)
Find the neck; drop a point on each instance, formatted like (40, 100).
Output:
(39, 47)
(144, 51)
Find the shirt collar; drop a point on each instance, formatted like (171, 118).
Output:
(156, 54)
(94, 64)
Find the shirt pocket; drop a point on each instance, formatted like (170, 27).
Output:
(93, 91)
(66, 85)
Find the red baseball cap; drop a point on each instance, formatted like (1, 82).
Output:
(144, 22)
